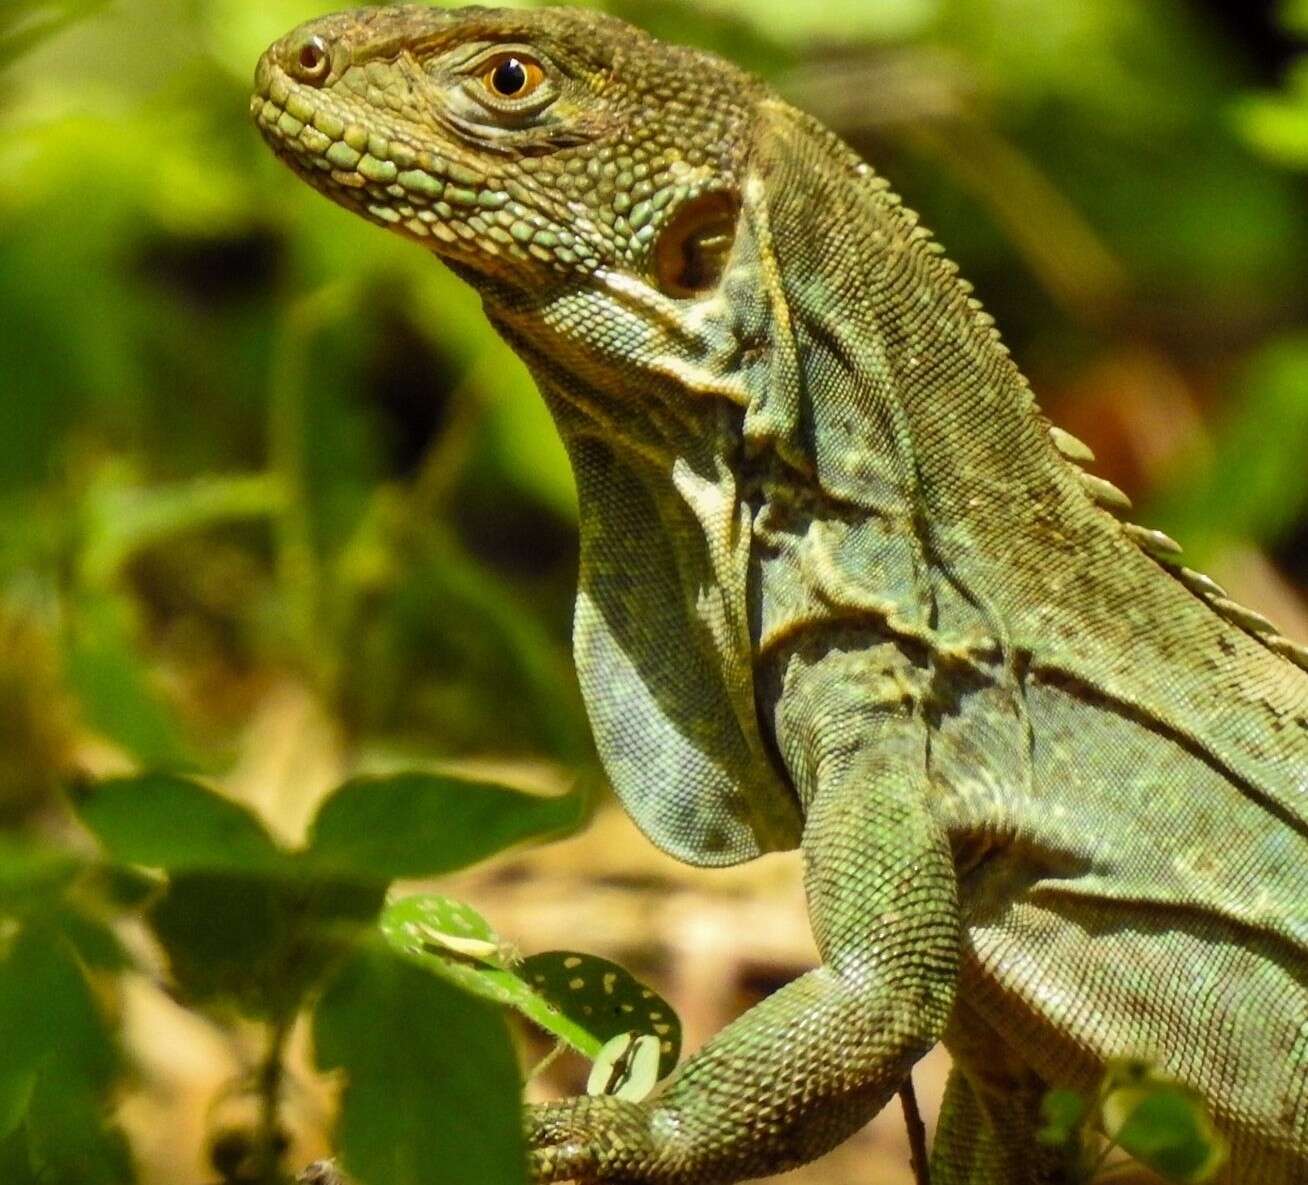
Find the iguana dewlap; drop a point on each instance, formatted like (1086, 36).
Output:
(842, 587)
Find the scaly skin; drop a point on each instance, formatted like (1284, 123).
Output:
(842, 587)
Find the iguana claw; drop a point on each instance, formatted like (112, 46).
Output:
(592, 1139)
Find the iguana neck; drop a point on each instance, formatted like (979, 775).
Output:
(884, 395)
(886, 391)
(949, 517)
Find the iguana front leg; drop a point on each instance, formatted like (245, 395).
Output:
(812, 1063)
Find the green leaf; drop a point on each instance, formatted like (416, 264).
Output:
(1163, 1124)
(32, 875)
(54, 889)
(431, 1084)
(122, 887)
(93, 939)
(1277, 124)
(439, 925)
(15, 1163)
(117, 693)
(69, 1134)
(57, 1065)
(1062, 1112)
(123, 520)
(527, 450)
(170, 822)
(30, 22)
(425, 824)
(1251, 487)
(15, 1095)
(604, 999)
(45, 1003)
(583, 1000)
(259, 944)
(844, 20)
(1294, 16)
(451, 940)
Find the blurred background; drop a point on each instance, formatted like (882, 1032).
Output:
(276, 507)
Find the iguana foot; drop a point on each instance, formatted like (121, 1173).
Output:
(594, 1139)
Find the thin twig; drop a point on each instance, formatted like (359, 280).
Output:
(917, 1147)
(268, 1144)
(544, 1064)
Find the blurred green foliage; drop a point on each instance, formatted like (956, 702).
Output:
(249, 442)
(1277, 123)
(251, 929)
(1156, 1121)
(245, 437)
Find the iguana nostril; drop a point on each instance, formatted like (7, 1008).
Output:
(311, 60)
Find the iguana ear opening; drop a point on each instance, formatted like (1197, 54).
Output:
(692, 248)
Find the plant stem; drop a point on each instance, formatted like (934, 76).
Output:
(268, 1143)
(917, 1149)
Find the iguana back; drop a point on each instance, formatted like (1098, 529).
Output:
(1119, 753)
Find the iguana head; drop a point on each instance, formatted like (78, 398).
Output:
(533, 148)
(589, 182)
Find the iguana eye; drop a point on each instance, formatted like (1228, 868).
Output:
(512, 76)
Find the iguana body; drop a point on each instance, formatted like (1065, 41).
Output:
(842, 588)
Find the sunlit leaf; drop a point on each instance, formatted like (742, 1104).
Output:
(430, 929)
(1161, 1123)
(848, 20)
(1277, 124)
(443, 925)
(164, 821)
(124, 520)
(26, 23)
(1294, 15)
(424, 824)
(627, 1067)
(604, 999)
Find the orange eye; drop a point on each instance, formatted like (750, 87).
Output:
(512, 77)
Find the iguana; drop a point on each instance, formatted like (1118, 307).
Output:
(843, 587)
